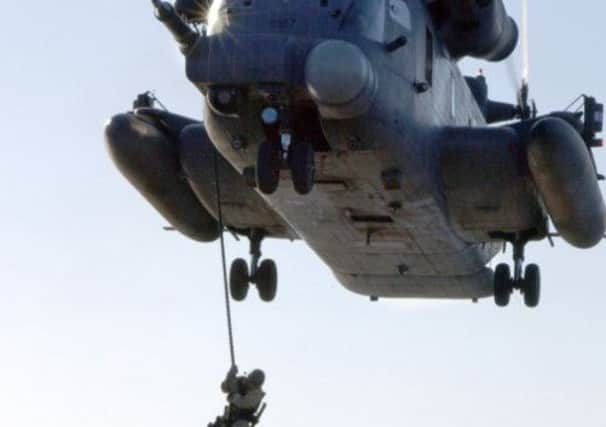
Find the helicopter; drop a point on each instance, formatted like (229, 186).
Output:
(349, 125)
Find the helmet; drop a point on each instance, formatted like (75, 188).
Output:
(256, 378)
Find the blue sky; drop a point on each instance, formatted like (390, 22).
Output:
(105, 319)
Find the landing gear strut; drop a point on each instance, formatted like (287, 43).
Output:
(263, 275)
(527, 281)
(282, 149)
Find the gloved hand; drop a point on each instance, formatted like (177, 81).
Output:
(230, 382)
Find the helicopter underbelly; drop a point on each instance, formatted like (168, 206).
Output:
(380, 250)
(373, 218)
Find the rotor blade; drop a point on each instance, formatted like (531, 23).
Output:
(513, 74)
(525, 58)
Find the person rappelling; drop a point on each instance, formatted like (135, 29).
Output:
(245, 399)
(244, 392)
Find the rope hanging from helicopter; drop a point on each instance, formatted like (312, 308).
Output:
(244, 392)
(232, 351)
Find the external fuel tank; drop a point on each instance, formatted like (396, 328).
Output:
(148, 157)
(565, 177)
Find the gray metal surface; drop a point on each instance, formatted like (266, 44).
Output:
(364, 232)
(414, 194)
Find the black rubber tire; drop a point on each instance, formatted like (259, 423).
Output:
(503, 285)
(302, 167)
(532, 286)
(239, 280)
(268, 167)
(266, 280)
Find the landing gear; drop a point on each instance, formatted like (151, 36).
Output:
(503, 285)
(238, 280)
(529, 283)
(302, 167)
(264, 275)
(281, 150)
(268, 167)
(266, 279)
(532, 286)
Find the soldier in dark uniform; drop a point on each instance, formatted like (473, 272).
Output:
(245, 395)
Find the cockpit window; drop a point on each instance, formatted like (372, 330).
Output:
(367, 17)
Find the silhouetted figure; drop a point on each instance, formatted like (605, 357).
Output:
(245, 397)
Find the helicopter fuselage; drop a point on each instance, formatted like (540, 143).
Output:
(378, 215)
(348, 124)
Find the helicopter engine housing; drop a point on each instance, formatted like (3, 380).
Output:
(478, 28)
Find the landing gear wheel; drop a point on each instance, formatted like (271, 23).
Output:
(503, 286)
(266, 280)
(532, 286)
(239, 280)
(302, 167)
(268, 167)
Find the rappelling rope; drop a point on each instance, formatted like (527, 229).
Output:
(232, 351)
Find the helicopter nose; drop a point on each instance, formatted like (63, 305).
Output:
(340, 79)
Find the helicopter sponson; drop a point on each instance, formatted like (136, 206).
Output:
(170, 160)
(546, 154)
